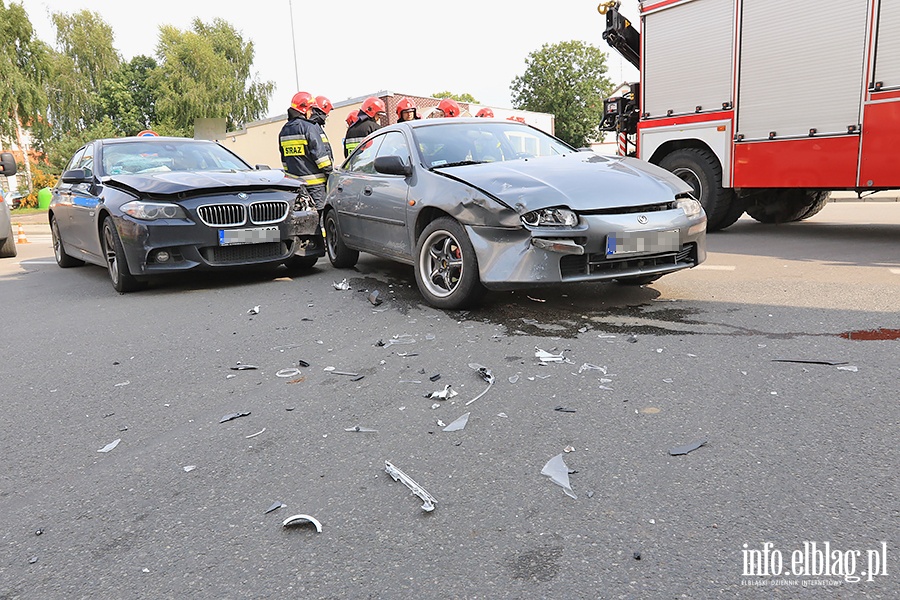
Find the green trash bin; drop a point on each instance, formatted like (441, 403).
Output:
(44, 197)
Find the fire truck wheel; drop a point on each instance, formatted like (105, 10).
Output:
(701, 170)
(785, 206)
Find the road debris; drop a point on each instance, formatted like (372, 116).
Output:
(851, 368)
(568, 449)
(334, 372)
(397, 339)
(231, 416)
(678, 450)
(189, 468)
(375, 298)
(486, 375)
(123, 383)
(590, 367)
(564, 409)
(359, 429)
(240, 367)
(458, 424)
(110, 445)
(275, 506)
(342, 285)
(535, 299)
(514, 378)
(444, 394)
(253, 435)
(398, 475)
(548, 357)
(292, 372)
(435, 377)
(301, 520)
(558, 472)
(808, 362)
(302, 363)
(254, 310)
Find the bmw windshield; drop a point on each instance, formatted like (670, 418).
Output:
(137, 157)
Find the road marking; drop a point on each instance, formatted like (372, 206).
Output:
(37, 262)
(716, 267)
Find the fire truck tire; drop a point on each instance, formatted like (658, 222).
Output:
(701, 169)
(786, 206)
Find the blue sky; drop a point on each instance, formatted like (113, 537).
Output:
(429, 47)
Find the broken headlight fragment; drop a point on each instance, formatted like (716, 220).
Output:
(398, 475)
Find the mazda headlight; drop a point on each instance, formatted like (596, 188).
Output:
(691, 207)
(550, 217)
(151, 211)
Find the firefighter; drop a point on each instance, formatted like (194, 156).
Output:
(448, 107)
(305, 151)
(406, 110)
(368, 120)
(321, 110)
(486, 113)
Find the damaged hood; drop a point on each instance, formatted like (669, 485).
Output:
(181, 182)
(581, 181)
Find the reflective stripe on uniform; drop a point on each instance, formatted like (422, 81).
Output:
(323, 162)
(316, 179)
(293, 145)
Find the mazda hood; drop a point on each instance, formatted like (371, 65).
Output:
(193, 182)
(581, 181)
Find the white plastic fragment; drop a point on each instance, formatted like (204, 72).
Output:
(443, 394)
(300, 520)
(485, 374)
(110, 445)
(254, 310)
(359, 429)
(253, 435)
(398, 475)
(458, 424)
(292, 372)
(342, 285)
(545, 357)
(558, 472)
(851, 368)
(189, 468)
(123, 383)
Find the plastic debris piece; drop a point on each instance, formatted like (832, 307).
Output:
(302, 363)
(398, 475)
(632, 339)
(435, 405)
(230, 376)
(397, 339)
(298, 380)
(503, 415)
(546, 357)
(254, 310)
(375, 298)
(110, 445)
(253, 435)
(440, 423)
(39, 531)
(486, 375)
(514, 378)
(429, 336)
(189, 468)
(636, 555)
(848, 368)
(677, 450)
(292, 372)
(564, 409)
(809, 362)
(558, 472)
(589, 367)
(590, 494)
(342, 285)
(32, 560)
(361, 429)
(444, 394)
(334, 372)
(407, 354)
(231, 416)
(240, 367)
(458, 424)
(357, 378)
(568, 449)
(435, 377)
(275, 506)
(535, 299)
(300, 520)
(411, 381)
(122, 383)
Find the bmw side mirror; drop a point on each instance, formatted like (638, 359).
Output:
(7, 164)
(393, 165)
(75, 176)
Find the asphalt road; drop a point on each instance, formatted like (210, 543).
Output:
(795, 453)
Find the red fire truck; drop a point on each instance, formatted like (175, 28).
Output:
(763, 106)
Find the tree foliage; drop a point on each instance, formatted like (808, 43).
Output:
(129, 98)
(568, 80)
(465, 97)
(205, 73)
(24, 70)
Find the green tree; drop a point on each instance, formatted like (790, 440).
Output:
(61, 149)
(205, 73)
(24, 70)
(129, 98)
(466, 97)
(568, 80)
(84, 60)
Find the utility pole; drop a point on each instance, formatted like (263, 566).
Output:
(294, 43)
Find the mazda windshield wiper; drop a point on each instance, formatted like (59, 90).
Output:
(459, 163)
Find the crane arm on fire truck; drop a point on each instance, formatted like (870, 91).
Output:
(619, 33)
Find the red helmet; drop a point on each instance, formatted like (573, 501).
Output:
(352, 118)
(449, 107)
(303, 101)
(404, 104)
(372, 106)
(324, 103)
(485, 112)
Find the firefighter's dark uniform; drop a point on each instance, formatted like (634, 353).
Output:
(357, 132)
(306, 154)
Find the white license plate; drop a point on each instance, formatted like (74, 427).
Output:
(642, 242)
(255, 235)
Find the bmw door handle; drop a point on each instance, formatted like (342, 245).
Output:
(367, 191)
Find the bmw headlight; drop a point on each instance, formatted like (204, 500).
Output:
(691, 207)
(550, 217)
(151, 211)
